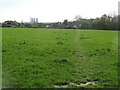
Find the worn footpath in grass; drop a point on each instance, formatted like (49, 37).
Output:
(59, 58)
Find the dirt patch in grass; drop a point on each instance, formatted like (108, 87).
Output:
(61, 85)
(65, 85)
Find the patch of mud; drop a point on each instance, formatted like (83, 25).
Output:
(63, 86)
(75, 84)
(88, 83)
(83, 84)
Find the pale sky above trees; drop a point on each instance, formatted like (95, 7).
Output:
(55, 10)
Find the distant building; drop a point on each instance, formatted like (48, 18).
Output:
(33, 20)
(36, 20)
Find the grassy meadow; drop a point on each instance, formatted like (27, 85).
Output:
(59, 58)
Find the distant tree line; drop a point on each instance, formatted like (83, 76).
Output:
(105, 22)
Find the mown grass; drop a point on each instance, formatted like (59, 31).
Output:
(42, 58)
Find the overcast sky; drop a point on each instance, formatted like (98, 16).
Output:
(55, 10)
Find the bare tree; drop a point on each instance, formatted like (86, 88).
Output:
(77, 18)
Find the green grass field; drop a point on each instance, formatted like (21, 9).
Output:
(59, 58)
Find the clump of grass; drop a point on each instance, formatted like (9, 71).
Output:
(61, 83)
(62, 60)
(84, 37)
(60, 42)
